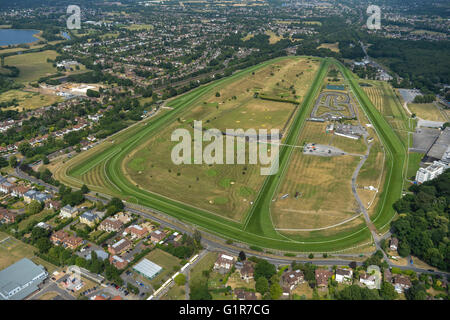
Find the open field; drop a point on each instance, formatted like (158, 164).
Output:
(385, 100)
(427, 111)
(205, 264)
(164, 260)
(139, 27)
(332, 46)
(32, 66)
(257, 228)
(226, 190)
(28, 100)
(35, 217)
(13, 250)
(395, 150)
(175, 293)
(323, 184)
(414, 160)
(274, 38)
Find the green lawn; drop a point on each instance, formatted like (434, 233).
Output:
(164, 260)
(32, 66)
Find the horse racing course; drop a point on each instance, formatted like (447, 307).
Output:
(105, 166)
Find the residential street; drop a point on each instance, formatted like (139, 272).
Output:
(344, 259)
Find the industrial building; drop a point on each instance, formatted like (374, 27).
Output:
(430, 172)
(440, 147)
(147, 269)
(21, 279)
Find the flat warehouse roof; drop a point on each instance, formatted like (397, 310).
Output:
(18, 275)
(147, 268)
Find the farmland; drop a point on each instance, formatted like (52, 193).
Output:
(114, 159)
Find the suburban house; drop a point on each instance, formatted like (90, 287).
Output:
(157, 235)
(68, 212)
(19, 191)
(35, 195)
(136, 231)
(344, 275)
(118, 262)
(6, 187)
(62, 238)
(53, 204)
(73, 242)
(7, 216)
(119, 247)
(401, 283)
(123, 217)
(242, 294)
(224, 263)
(393, 244)
(110, 225)
(290, 280)
(89, 218)
(322, 277)
(368, 280)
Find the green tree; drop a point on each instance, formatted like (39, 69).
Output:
(262, 285)
(13, 161)
(200, 292)
(275, 291)
(242, 256)
(34, 207)
(180, 279)
(264, 269)
(3, 162)
(43, 244)
(388, 292)
(84, 189)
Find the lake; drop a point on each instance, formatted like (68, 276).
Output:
(17, 36)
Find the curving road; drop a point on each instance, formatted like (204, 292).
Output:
(213, 243)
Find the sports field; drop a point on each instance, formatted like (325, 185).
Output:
(315, 194)
(395, 146)
(110, 160)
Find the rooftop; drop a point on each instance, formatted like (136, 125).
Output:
(147, 268)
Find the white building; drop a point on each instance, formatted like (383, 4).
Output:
(344, 275)
(430, 172)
